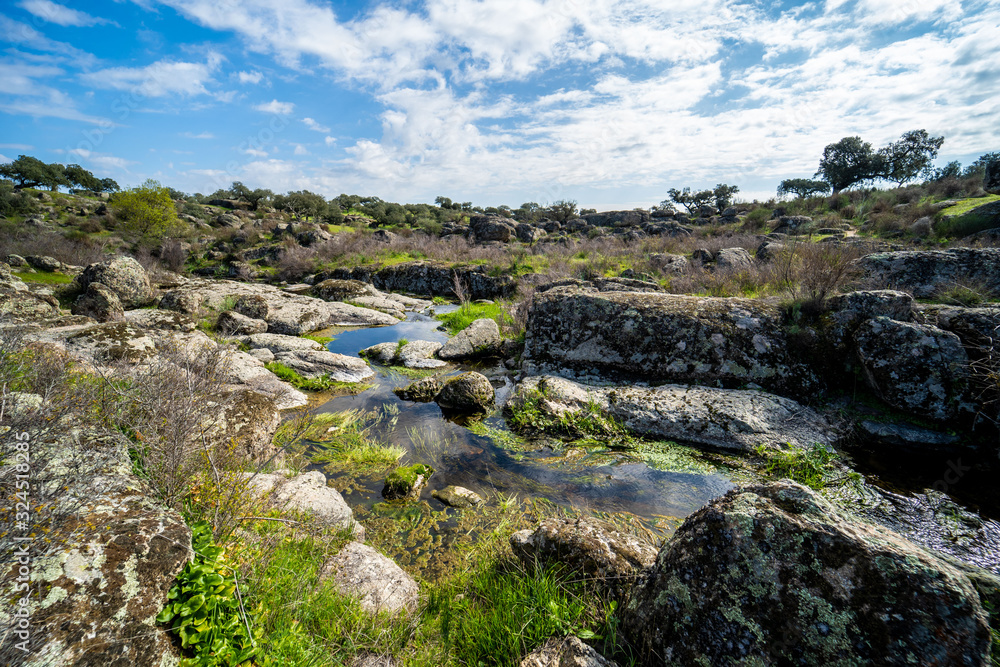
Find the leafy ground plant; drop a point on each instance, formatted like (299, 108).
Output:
(205, 608)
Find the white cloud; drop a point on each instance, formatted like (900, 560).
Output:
(314, 126)
(27, 95)
(329, 141)
(253, 77)
(200, 135)
(159, 79)
(22, 33)
(60, 14)
(255, 152)
(276, 107)
(301, 150)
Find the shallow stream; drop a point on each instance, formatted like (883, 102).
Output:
(655, 490)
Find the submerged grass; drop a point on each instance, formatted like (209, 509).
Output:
(816, 467)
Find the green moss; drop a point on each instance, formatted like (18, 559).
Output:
(321, 383)
(400, 482)
(43, 277)
(966, 205)
(815, 467)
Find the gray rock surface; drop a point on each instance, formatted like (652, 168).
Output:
(307, 492)
(124, 276)
(915, 367)
(166, 320)
(578, 332)
(379, 584)
(100, 303)
(733, 259)
(231, 323)
(566, 652)
(588, 547)
(413, 354)
(278, 343)
(925, 272)
(481, 338)
(768, 572)
(285, 313)
(732, 419)
(316, 363)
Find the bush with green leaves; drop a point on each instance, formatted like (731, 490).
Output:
(205, 608)
(146, 213)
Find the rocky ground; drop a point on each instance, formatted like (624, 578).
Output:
(767, 574)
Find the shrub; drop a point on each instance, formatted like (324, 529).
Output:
(145, 213)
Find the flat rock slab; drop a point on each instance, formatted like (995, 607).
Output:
(414, 354)
(318, 363)
(278, 343)
(285, 313)
(308, 492)
(241, 368)
(733, 419)
(379, 584)
(925, 272)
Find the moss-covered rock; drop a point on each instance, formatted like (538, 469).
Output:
(775, 574)
(468, 392)
(406, 482)
(100, 303)
(423, 390)
(122, 275)
(925, 272)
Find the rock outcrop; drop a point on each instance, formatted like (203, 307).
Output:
(732, 419)
(925, 272)
(566, 652)
(915, 367)
(100, 303)
(468, 392)
(588, 547)
(586, 334)
(431, 279)
(307, 492)
(771, 573)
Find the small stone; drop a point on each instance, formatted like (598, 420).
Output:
(458, 496)
(379, 584)
(406, 483)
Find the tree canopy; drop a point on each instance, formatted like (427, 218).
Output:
(905, 159)
(802, 187)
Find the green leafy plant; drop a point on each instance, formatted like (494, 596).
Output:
(205, 608)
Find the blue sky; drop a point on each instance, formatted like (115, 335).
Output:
(608, 102)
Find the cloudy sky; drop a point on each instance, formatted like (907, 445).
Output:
(607, 102)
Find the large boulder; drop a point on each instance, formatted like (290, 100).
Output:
(122, 275)
(481, 338)
(340, 290)
(20, 305)
(112, 342)
(468, 392)
(769, 575)
(617, 218)
(925, 272)
(379, 584)
(588, 548)
(108, 561)
(231, 323)
(579, 332)
(733, 419)
(491, 228)
(733, 259)
(914, 367)
(100, 303)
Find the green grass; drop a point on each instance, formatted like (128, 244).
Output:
(322, 340)
(321, 383)
(340, 441)
(306, 622)
(467, 313)
(43, 277)
(815, 467)
(966, 205)
(507, 610)
(590, 421)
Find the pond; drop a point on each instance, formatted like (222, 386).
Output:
(655, 490)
